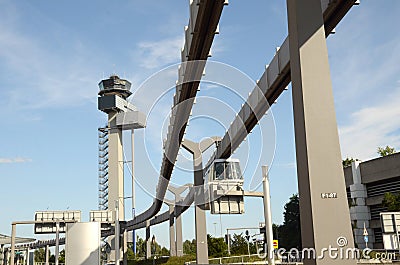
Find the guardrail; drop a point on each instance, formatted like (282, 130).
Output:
(44, 263)
(233, 259)
(377, 256)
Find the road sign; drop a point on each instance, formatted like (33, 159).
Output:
(365, 233)
(276, 244)
(49, 219)
(247, 235)
(366, 239)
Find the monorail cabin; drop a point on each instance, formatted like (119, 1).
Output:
(224, 181)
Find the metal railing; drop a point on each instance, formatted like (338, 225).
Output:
(44, 263)
(234, 260)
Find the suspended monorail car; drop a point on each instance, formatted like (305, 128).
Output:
(224, 182)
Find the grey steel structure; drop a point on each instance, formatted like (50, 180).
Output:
(196, 149)
(319, 162)
(199, 35)
(325, 15)
(366, 183)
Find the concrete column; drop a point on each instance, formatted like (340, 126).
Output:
(175, 212)
(148, 240)
(117, 235)
(133, 173)
(268, 217)
(46, 255)
(26, 257)
(179, 238)
(13, 235)
(172, 242)
(115, 178)
(200, 216)
(199, 200)
(324, 210)
(57, 248)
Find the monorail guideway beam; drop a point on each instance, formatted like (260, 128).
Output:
(273, 82)
(319, 168)
(199, 36)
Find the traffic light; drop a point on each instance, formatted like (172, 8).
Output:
(264, 232)
(247, 235)
(227, 238)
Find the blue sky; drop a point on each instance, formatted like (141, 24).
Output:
(53, 54)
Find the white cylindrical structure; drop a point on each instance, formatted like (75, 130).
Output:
(268, 217)
(82, 243)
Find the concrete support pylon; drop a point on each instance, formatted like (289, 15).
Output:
(175, 214)
(148, 240)
(46, 255)
(268, 217)
(115, 179)
(196, 149)
(13, 235)
(172, 242)
(179, 236)
(324, 213)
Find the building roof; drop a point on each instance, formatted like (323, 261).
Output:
(6, 240)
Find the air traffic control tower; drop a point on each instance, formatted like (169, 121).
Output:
(122, 115)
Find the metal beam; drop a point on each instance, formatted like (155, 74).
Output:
(273, 82)
(319, 164)
(199, 37)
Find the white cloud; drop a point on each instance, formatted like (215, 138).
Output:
(371, 127)
(365, 80)
(154, 54)
(40, 74)
(14, 160)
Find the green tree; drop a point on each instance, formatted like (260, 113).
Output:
(391, 201)
(290, 231)
(385, 151)
(61, 257)
(140, 247)
(216, 247)
(275, 231)
(239, 245)
(189, 247)
(347, 162)
(164, 251)
(40, 255)
(129, 253)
